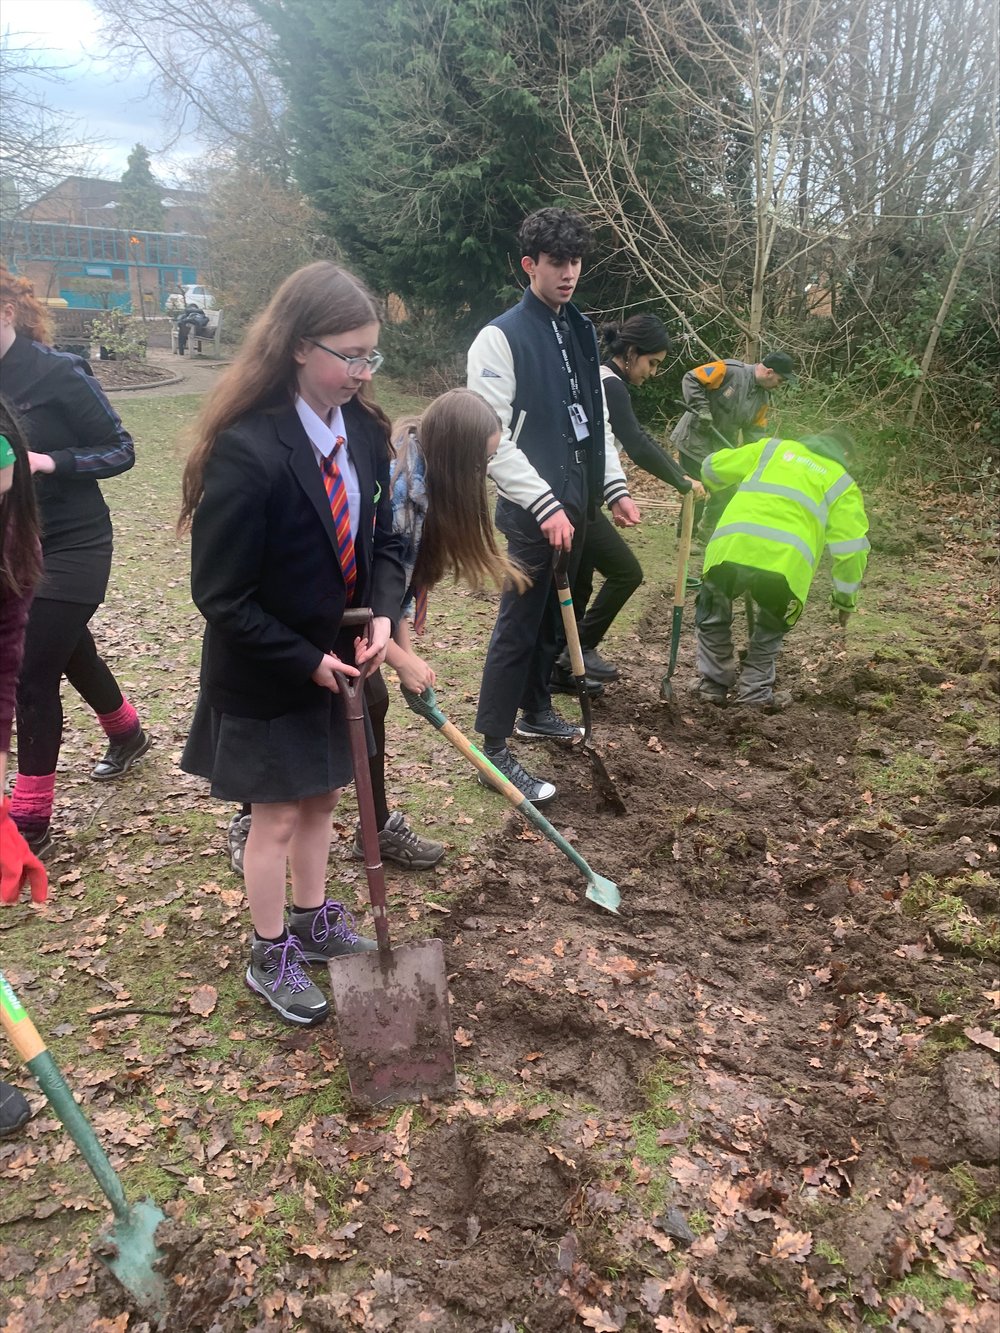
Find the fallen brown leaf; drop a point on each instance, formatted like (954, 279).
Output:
(203, 1000)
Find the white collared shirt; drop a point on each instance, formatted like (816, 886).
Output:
(323, 438)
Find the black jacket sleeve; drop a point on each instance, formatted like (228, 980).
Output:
(637, 443)
(103, 446)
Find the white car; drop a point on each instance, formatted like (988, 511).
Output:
(193, 294)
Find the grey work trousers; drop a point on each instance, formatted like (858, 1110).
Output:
(716, 660)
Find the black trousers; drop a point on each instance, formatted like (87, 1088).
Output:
(605, 551)
(57, 643)
(525, 641)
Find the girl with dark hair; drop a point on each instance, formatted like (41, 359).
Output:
(632, 352)
(287, 496)
(75, 439)
(20, 568)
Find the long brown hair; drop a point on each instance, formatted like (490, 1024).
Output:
(314, 302)
(20, 551)
(30, 317)
(458, 536)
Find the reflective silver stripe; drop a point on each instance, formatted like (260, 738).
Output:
(841, 586)
(769, 450)
(769, 534)
(838, 488)
(708, 472)
(845, 548)
(820, 511)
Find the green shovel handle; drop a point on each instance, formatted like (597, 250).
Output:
(425, 706)
(30, 1047)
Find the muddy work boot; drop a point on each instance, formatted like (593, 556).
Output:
(120, 756)
(397, 842)
(276, 973)
(546, 726)
(536, 790)
(326, 932)
(709, 691)
(777, 702)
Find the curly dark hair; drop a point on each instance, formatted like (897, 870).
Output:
(646, 333)
(556, 232)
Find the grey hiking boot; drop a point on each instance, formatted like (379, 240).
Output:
(236, 839)
(120, 756)
(326, 932)
(537, 791)
(546, 726)
(397, 842)
(276, 972)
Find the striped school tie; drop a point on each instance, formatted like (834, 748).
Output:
(336, 493)
(419, 610)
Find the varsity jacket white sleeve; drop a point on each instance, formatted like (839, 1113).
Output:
(490, 373)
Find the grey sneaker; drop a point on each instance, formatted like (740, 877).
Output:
(236, 838)
(397, 842)
(120, 756)
(276, 973)
(536, 791)
(545, 726)
(328, 932)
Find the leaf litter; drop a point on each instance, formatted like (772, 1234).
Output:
(733, 1108)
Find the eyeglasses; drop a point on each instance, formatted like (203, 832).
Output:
(356, 365)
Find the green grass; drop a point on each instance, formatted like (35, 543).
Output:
(936, 904)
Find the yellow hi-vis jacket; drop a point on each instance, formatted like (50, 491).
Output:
(791, 501)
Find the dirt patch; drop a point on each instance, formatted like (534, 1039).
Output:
(129, 374)
(762, 1097)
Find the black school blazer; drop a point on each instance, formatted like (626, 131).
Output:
(265, 572)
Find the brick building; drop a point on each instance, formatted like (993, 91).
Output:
(70, 244)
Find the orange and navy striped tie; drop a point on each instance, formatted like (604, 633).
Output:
(419, 610)
(337, 495)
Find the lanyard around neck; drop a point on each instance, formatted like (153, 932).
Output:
(574, 383)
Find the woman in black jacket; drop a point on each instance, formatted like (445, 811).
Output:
(75, 439)
(633, 351)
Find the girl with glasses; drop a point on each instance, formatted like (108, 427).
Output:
(286, 493)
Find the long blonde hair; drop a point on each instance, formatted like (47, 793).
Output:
(458, 537)
(314, 302)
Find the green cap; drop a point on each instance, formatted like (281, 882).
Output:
(7, 455)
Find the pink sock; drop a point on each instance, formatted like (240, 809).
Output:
(121, 724)
(31, 800)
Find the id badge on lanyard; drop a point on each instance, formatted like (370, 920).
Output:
(577, 416)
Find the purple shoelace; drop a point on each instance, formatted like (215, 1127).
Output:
(290, 968)
(341, 926)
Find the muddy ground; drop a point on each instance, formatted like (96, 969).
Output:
(764, 1097)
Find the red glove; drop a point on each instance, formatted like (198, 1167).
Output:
(18, 863)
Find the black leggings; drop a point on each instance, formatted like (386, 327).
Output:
(57, 643)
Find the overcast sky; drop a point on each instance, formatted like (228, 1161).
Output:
(110, 105)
